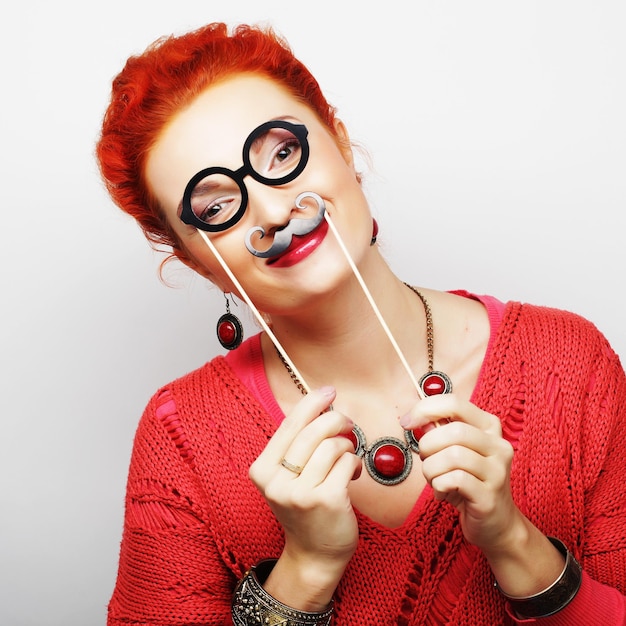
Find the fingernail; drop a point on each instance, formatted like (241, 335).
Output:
(405, 420)
(327, 391)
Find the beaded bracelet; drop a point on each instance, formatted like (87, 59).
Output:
(557, 596)
(253, 605)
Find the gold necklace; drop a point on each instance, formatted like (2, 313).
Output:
(388, 460)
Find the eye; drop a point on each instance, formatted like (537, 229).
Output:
(289, 149)
(218, 211)
(275, 153)
(215, 199)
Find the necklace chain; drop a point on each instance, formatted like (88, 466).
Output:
(388, 460)
(288, 367)
(430, 339)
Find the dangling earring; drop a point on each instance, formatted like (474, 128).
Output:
(229, 329)
(374, 232)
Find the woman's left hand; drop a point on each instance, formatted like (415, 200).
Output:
(467, 463)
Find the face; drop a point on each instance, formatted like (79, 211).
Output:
(211, 133)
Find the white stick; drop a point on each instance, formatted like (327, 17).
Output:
(368, 295)
(256, 312)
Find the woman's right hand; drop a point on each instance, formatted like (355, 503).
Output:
(312, 505)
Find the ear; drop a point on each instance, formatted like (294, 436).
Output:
(343, 141)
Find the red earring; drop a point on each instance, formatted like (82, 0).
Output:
(229, 329)
(374, 232)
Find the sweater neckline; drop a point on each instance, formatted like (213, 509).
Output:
(247, 360)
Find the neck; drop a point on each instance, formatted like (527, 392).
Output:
(339, 339)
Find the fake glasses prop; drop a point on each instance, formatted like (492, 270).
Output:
(274, 153)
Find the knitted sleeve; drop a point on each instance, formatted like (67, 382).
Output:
(171, 572)
(600, 600)
(604, 460)
(586, 398)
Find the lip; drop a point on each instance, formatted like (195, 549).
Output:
(301, 247)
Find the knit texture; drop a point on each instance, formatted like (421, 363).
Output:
(194, 522)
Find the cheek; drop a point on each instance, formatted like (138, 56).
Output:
(232, 250)
(341, 192)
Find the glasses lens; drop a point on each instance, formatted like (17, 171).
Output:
(215, 199)
(275, 154)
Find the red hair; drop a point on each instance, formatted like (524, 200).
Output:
(158, 83)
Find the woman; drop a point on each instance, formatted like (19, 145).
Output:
(378, 454)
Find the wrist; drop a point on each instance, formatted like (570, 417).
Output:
(557, 595)
(306, 583)
(525, 561)
(515, 539)
(252, 604)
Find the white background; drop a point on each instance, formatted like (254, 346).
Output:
(498, 138)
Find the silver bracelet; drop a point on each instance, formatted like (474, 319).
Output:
(557, 596)
(253, 605)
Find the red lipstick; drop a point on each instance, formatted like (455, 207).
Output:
(301, 247)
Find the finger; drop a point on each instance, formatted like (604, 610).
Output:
(467, 473)
(324, 459)
(447, 407)
(341, 474)
(317, 438)
(492, 447)
(323, 480)
(457, 486)
(307, 410)
(457, 434)
(456, 458)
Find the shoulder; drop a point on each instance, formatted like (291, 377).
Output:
(551, 330)
(534, 333)
(199, 417)
(532, 318)
(186, 403)
(546, 349)
(211, 381)
(551, 348)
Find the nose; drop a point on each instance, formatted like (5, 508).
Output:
(272, 207)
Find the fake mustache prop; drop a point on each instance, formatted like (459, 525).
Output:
(296, 226)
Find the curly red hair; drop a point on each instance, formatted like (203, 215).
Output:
(170, 73)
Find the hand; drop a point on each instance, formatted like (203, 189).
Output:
(312, 506)
(467, 463)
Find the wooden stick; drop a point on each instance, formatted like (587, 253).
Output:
(256, 312)
(368, 295)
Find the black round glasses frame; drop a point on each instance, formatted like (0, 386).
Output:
(189, 217)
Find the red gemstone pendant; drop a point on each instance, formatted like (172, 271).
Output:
(433, 383)
(229, 331)
(388, 460)
(226, 331)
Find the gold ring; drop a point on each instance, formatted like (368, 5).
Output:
(296, 469)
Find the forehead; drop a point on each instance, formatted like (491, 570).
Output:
(213, 128)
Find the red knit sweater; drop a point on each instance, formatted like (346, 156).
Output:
(194, 522)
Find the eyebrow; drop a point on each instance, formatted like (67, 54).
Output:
(201, 188)
(288, 118)
(282, 118)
